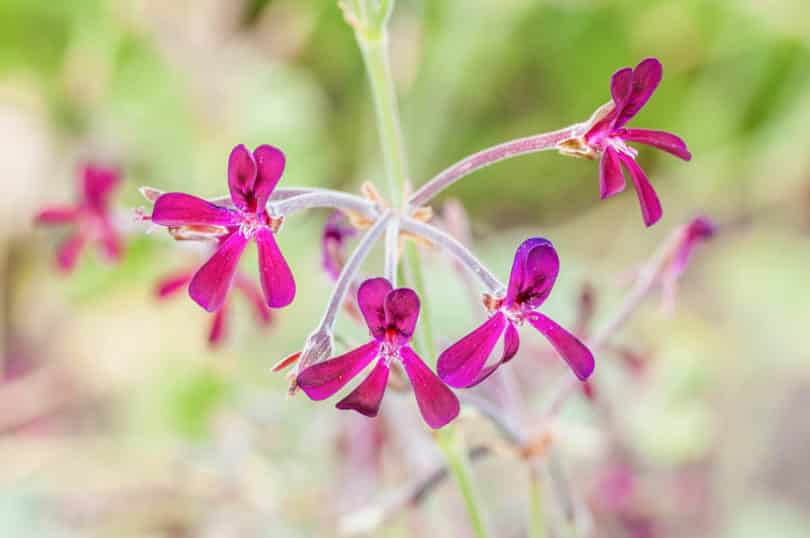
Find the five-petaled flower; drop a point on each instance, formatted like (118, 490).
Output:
(391, 316)
(534, 271)
(251, 180)
(91, 215)
(607, 136)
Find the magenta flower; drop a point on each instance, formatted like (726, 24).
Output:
(91, 215)
(630, 89)
(534, 271)
(169, 285)
(391, 318)
(336, 232)
(251, 180)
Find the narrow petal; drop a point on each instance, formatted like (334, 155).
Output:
(217, 332)
(170, 285)
(110, 241)
(371, 298)
(322, 380)
(650, 204)
(620, 85)
(56, 215)
(611, 177)
(269, 167)
(178, 209)
(254, 295)
(534, 271)
(402, 311)
(367, 396)
(437, 403)
(646, 77)
(575, 353)
(210, 285)
(460, 364)
(275, 275)
(511, 344)
(97, 183)
(241, 178)
(68, 253)
(658, 139)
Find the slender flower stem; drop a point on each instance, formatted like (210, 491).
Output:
(392, 251)
(457, 249)
(537, 528)
(484, 158)
(324, 198)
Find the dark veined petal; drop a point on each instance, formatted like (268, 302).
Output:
(511, 344)
(371, 298)
(611, 177)
(367, 396)
(56, 215)
(254, 295)
(534, 271)
(97, 183)
(241, 178)
(179, 209)
(574, 352)
(170, 285)
(270, 163)
(322, 380)
(648, 199)
(68, 253)
(211, 283)
(275, 275)
(402, 312)
(216, 333)
(646, 77)
(437, 403)
(658, 139)
(460, 364)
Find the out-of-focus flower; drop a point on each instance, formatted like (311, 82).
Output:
(170, 285)
(607, 137)
(90, 215)
(336, 232)
(251, 180)
(687, 237)
(391, 316)
(534, 272)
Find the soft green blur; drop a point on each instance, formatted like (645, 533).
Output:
(130, 426)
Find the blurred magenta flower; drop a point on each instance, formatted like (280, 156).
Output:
(169, 285)
(336, 232)
(251, 180)
(534, 271)
(690, 235)
(608, 137)
(391, 316)
(91, 216)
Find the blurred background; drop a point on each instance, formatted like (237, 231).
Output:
(117, 419)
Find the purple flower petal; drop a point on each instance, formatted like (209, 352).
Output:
(658, 139)
(367, 396)
(97, 183)
(650, 204)
(68, 253)
(170, 285)
(511, 344)
(402, 312)
(241, 178)
(254, 295)
(322, 380)
(371, 298)
(534, 271)
(269, 167)
(217, 332)
(436, 401)
(210, 285)
(460, 364)
(575, 353)
(611, 177)
(110, 241)
(179, 209)
(335, 233)
(275, 275)
(646, 77)
(620, 86)
(56, 215)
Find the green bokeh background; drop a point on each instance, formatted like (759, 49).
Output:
(146, 432)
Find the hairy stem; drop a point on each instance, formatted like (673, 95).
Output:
(392, 251)
(324, 198)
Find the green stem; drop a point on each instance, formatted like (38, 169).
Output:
(537, 528)
(451, 442)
